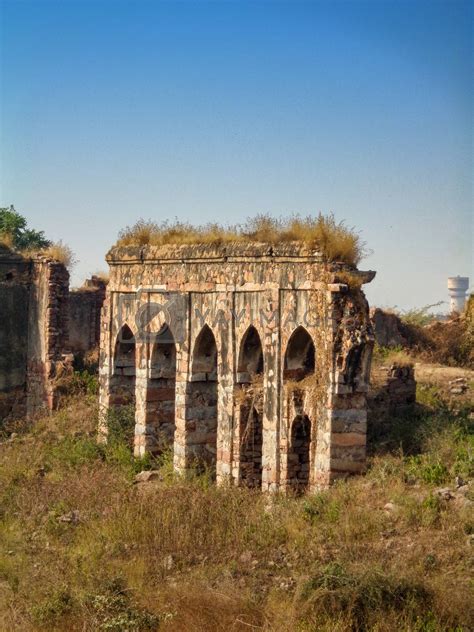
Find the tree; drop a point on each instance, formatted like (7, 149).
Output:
(13, 228)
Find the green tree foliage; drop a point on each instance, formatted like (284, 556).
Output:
(14, 230)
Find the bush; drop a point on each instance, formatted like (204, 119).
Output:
(427, 469)
(419, 316)
(114, 611)
(14, 232)
(391, 355)
(121, 425)
(54, 607)
(73, 452)
(61, 252)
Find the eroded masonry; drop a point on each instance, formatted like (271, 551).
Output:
(44, 326)
(248, 360)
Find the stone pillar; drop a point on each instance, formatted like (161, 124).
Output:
(352, 343)
(236, 436)
(182, 376)
(271, 392)
(225, 387)
(143, 440)
(105, 366)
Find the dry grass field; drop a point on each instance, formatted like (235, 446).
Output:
(84, 548)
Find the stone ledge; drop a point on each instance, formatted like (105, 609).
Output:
(232, 251)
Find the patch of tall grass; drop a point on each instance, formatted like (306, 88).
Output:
(335, 240)
(83, 548)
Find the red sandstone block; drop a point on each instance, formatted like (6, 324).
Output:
(160, 394)
(348, 439)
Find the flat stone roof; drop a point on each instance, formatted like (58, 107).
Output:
(221, 252)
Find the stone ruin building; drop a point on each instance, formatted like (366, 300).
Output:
(247, 359)
(43, 326)
(250, 360)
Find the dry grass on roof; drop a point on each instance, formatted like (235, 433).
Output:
(57, 251)
(335, 240)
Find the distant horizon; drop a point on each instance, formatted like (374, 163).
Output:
(112, 111)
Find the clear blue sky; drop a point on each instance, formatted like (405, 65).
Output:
(115, 110)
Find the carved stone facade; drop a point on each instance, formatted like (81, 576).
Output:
(249, 360)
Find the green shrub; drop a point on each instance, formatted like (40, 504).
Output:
(427, 468)
(115, 611)
(430, 396)
(121, 424)
(73, 452)
(321, 506)
(54, 607)
(419, 316)
(431, 508)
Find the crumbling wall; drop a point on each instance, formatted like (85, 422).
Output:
(388, 328)
(85, 304)
(392, 392)
(47, 333)
(14, 290)
(33, 332)
(272, 421)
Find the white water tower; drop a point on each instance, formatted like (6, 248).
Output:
(457, 288)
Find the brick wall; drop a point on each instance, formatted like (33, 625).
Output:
(392, 392)
(85, 304)
(33, 332)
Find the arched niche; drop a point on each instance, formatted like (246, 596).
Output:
(201, 403)
(300, 355)
(161, 392)
(250, 361)
(299, 454)
(250, 408)
(122, 384)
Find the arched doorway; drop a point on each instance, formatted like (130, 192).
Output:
(299, 363)
(300, 355)
(250, 398)
(201, 408)
(122, 385)
(160, 400)
(299, 455)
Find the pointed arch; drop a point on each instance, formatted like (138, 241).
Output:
(122, 382)
(251, 440)
(249, 411)
(124, 352)
(201, 403)
(299, 455)
(161, 392)
(300, 355)
(204, 359)
(250, 360)
(163, 355)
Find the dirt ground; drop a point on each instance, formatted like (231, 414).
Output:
(455, 383)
